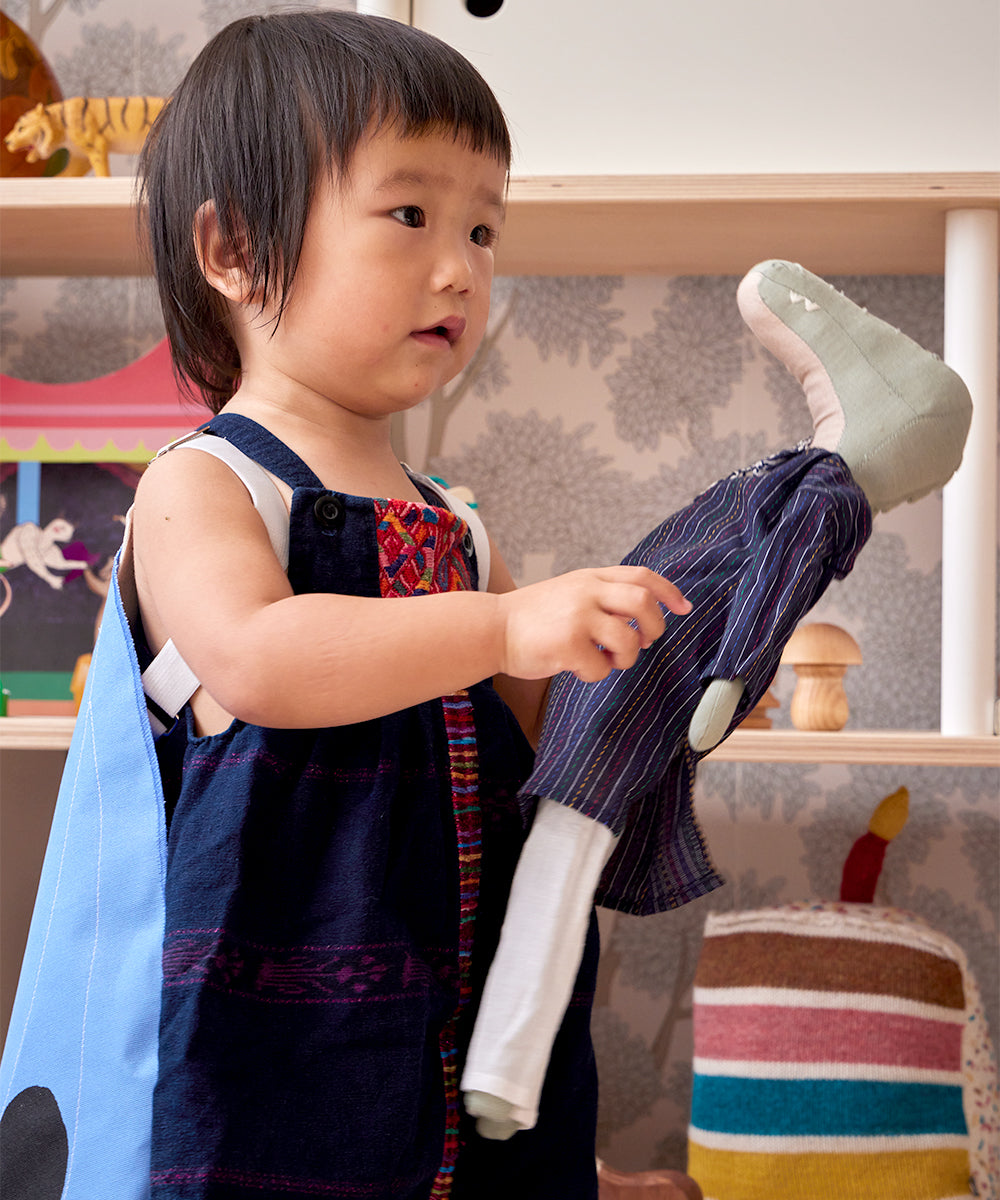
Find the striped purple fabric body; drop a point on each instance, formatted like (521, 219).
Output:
(753, 554)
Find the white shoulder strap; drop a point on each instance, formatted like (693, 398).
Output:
(266, 498)
(169, 683)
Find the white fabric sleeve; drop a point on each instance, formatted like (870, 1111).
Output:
(541, 945)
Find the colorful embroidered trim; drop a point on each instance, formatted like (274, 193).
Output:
(463, 761)
(420, 549)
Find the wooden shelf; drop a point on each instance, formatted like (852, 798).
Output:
(721, 225)
(751, 745)
(36, 733)
(582, 225)
(870, 746)
(69, 227)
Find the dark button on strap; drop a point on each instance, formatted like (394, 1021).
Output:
(469, 543)
(329, 512)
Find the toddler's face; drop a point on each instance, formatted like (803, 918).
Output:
(392, 291)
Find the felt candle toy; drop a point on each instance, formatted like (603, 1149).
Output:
(864, 862)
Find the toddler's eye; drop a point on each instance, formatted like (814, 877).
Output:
(484, 236)
(410, 215)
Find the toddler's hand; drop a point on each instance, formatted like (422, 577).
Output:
(589, 622)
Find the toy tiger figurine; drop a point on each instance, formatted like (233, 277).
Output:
(89, 129)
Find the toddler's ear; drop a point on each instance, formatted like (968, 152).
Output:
(223, 262)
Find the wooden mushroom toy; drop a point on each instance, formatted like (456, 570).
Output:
(820, 654)
(757, 717)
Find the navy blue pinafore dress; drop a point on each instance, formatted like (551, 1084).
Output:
(334, 897)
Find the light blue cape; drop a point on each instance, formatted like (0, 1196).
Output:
(84, 1023)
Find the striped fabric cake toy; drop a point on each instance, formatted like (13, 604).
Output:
(841, 1052)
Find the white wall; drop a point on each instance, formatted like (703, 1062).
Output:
(651, 86)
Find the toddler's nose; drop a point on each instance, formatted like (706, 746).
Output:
(454, 268)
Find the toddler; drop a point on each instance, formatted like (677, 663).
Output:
(325, 194)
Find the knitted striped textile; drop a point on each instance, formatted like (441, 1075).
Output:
(840, 1053)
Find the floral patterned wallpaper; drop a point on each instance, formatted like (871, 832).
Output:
(597, 406)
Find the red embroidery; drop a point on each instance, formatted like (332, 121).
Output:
(420, 549)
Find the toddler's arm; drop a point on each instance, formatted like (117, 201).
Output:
(207, 577)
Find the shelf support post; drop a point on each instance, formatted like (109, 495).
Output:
(969, 516)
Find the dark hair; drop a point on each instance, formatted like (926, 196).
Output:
(269, 104)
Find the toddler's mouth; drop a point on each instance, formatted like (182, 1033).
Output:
(450, 330)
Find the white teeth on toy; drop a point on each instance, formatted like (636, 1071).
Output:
(795, 298)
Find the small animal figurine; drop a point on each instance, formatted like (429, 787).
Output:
(28, 545)
(89, 128)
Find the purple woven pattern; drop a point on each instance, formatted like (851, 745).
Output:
(753, 554)
(323, 974)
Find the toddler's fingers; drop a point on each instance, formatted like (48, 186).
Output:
(674, 599)
(592, 664)
(620, 641)
(644, 606)
(667, 593)
(640, 609)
